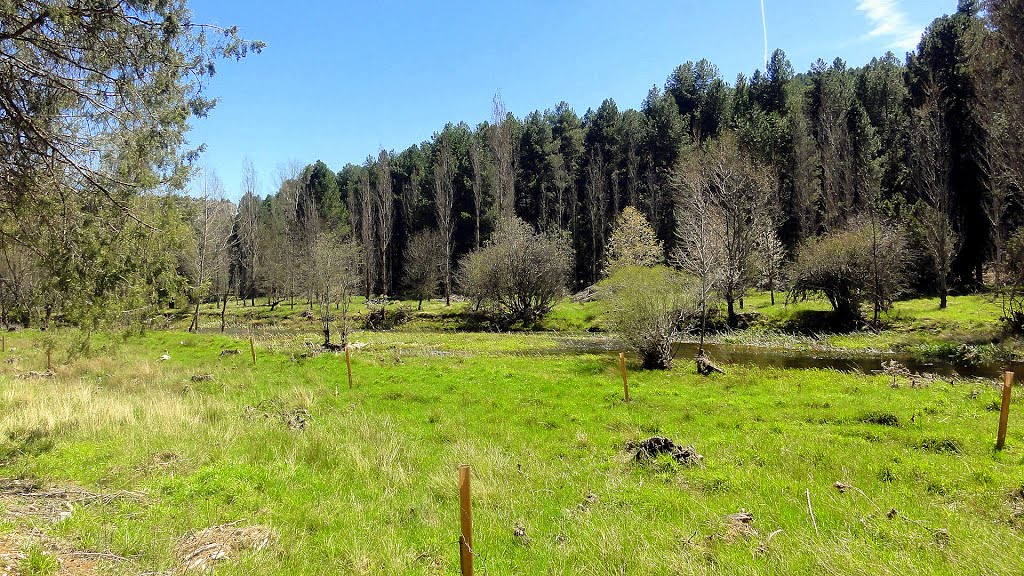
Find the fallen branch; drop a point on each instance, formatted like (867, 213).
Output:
(811, 510)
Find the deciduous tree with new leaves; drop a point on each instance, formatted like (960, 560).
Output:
(633, 242)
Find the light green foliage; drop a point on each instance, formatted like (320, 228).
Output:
(646, 307)
(633, 242)
(541, 421)
(38, 562)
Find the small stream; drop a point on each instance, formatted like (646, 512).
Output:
(725, 354)
(865, 363)
(776, 358)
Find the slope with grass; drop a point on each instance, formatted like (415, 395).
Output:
(364, 482)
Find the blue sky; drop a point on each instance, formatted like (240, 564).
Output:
(340, 80)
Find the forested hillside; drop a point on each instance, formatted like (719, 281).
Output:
(926, 147)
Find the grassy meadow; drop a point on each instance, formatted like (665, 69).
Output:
(364, 481)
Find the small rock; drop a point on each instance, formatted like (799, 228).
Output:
(163, 358)
(841, 487)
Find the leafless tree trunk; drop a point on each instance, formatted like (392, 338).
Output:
(444, 199)
(654, 207)
(1000, 152)
(385, 212)
(367, 232)
(932, 181)
(836, 172)
(771, 254)
(249, 228)
(503, 146)
(476, 159)
(735, 193)
(697, 252)
(562, 186)
(632, 173)
(597, 198)
(335, 276)
(806, 184)
(212, 226)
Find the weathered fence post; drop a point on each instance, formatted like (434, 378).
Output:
(1004, 413)
(466, 523)
(625, 381)
(49, 358)
(348, 364)
(4, 339)
(252, 348)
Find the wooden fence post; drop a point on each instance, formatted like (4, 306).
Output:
(625, 381)
(252, 348)
(49, 358)
(4, 338)
(1004, 413)
(466, 523)
(348, 364)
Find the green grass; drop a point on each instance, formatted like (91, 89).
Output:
(369, 487)
(431, 316)
(969, 328)
(38, 562)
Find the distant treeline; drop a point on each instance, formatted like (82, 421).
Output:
(836, 138)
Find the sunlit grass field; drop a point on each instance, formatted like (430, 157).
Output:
(369, 485)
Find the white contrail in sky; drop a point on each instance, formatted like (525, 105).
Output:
(764, 25)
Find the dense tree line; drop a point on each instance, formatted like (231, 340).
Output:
(930, 145)
(928, 139)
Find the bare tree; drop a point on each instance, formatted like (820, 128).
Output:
(21, 283)
(212, 229)
(444, 199)
(476, 160)
(289, 264)
(597, 198)
(520, 272)
(1000, 150)
(806, 187)
(367, 231)
(770, 255)
(335, 280)
(834, 144)
(932, 182)
(562, 182)
(503, 146)
(864, 260)
(385, 213)
(735, 192)
(699, 226)
(250, 237)
(423, 265)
